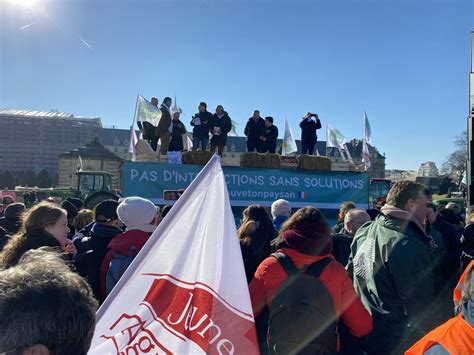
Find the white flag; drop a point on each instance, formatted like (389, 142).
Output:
(189, 144)
(233, 130)
(133, 143)
(288, 144)
(334, 138)
(80, 166)
(146, 112)
(186, 291)
(367, 130)
(365, 155)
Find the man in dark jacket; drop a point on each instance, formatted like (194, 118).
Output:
(176, 144)
(254, 129)
(392, 270)
(201, 122)
(308, 132)
(148, 130)
(341, 242)
(165, 126)
(11, 221)
(220, 126)
(269, 138)
(91, 243)
(452, 247)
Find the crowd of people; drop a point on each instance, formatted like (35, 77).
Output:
(399, 279)
(261, 133)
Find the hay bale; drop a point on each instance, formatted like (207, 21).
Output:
(142, 147)
(260, 160)
(197, 157)
(310, 162)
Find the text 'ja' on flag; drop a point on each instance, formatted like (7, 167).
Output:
(146, 112)
(334, 138)
(288, 144)
(186, 291)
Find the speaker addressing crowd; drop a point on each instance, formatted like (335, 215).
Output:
(210, 130)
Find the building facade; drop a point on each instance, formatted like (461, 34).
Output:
(94, 157)
(33, 139)
(428, 169)
(354, 148)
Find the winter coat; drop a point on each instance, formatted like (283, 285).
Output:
(452, 246)
(202, 130)
(254, 130)
(391, 266)
(308, 130)
(121, 245)
(176, 143)
(341, 247)
(270, 143)
(92, 246)
(11, 225)
(165, 121)
(456, 336)
(225, 125)
(252, 261)
(278, 221)
(150, 130)
(4, 238)
(270, 275)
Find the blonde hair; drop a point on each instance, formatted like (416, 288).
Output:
(32, 234)
(83, 218)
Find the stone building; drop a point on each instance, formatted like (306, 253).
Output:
(428, 169)
(94, 157)
(354, 147)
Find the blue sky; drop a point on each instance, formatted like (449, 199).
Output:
(406, 63)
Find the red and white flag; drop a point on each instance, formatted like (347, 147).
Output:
(186, 290)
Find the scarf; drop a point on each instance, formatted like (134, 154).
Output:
(309, 238)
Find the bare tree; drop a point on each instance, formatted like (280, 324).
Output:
(456, 162)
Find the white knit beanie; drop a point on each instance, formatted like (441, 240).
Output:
(136, 211)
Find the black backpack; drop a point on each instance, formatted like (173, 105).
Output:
(302, 318)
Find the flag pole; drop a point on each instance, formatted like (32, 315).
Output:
(135, 115)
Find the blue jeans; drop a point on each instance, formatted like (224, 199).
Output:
(204, 142)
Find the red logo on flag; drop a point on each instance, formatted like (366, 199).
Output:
(187, 311)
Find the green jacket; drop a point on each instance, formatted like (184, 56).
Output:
(392, 270)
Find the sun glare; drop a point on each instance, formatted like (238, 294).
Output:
(28, 4)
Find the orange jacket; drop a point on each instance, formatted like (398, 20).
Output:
(456, 336)
(457, 290)
(270, 275)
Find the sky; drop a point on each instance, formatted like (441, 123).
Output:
(406, 63)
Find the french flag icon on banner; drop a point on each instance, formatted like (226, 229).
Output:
(303, 195)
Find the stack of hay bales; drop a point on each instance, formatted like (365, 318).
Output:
(197, 157)
(260, 160)
(310, 162)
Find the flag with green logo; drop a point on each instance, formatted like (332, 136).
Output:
(146, 112)
(334, 138)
